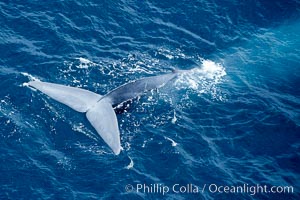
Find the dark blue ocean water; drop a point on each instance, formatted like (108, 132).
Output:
(232, 120)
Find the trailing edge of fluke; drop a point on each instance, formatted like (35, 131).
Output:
(99, 109)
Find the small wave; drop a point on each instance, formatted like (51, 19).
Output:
(13, 115)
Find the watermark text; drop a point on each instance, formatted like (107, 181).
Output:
(190, 188)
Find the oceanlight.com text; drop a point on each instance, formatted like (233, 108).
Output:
(158, 188)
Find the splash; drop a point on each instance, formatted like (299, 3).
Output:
(213, 70)
(85, 63)
(31, 78)
(203, 79)
(130, 165)
(174, 119)
(174, 144)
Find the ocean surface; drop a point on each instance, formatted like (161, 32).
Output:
(232, 120)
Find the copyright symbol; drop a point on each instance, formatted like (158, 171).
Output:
(129, 188)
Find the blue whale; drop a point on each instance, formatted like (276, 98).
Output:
(99, 108)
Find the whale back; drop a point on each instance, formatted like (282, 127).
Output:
(137, 88)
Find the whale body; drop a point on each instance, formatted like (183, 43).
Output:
(99, 109)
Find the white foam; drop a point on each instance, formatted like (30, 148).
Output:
(174, 144)
(202, 79)
(131, 164)
(213, 70)
(85, 63)
(82, 129)
(169, 54)
(174, 119)
(32, 78)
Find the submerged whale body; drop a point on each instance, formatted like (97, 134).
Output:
(99, 109)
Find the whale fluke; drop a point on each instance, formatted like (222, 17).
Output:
(99, 109)
(103, 118)
(78, 99)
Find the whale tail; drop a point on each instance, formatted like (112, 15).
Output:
(100, 113)
(103, 118)
(99, 109)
